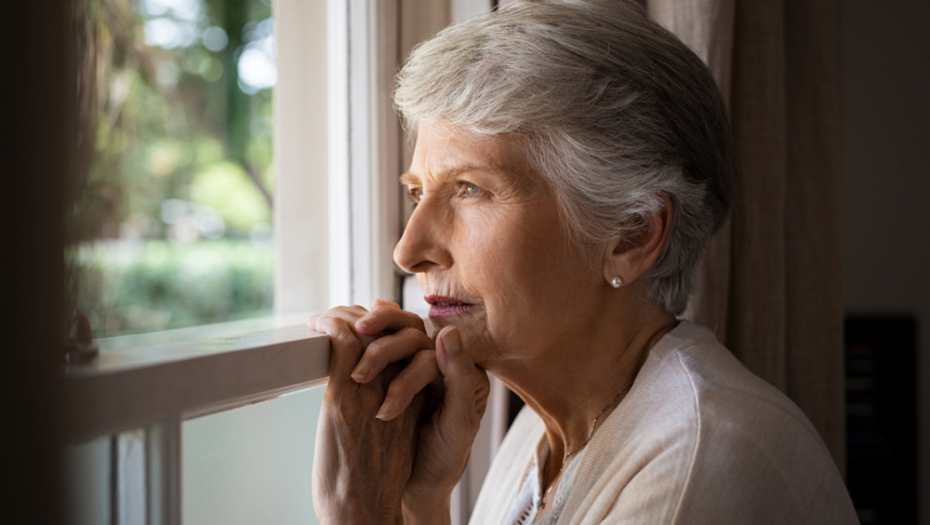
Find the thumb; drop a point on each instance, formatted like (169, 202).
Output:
(462, 379)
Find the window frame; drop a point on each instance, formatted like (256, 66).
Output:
(157, 388)
(339, 150)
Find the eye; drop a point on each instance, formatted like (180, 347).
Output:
(416, 194)
(467, 189)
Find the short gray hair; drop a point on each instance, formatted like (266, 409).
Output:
(613, 111)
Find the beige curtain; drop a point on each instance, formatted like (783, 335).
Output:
(770, 284)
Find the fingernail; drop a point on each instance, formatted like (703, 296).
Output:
(361, 371)
(450, 342)
(386, 409)
(364, 322)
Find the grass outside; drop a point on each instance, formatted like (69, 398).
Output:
(130, 287)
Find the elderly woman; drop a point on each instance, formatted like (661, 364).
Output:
(572, 161)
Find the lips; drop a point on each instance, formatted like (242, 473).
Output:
(446, 306)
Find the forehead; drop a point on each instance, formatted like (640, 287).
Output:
(444, 152)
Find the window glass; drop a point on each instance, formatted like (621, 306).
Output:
(252, 464)
(88, 478)
(172, 224)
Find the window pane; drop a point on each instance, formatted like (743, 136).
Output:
(88, 470)
(252, 464)
(172, 225)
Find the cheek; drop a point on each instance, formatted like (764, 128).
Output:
(518, 262)
(494, 248)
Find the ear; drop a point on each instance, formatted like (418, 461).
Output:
(630, 257)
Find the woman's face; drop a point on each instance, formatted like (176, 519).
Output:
(488, 247)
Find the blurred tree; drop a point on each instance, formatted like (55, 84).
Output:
(160, 104)
(175, 144)
(235, 16)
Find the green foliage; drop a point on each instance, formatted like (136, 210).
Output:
(154, 285)
(174, 139)
(167, 118)
(226, 188)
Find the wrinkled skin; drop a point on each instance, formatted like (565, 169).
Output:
(398, 464)
(353, 445)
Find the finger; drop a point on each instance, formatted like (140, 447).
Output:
(382, 302)
(349, 313)
(388, 317)
(421, 372)
(466, 385)
(346, 348)
(398, 346)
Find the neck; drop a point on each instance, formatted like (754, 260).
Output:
(571, 381)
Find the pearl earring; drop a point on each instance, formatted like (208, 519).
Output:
(616, 282)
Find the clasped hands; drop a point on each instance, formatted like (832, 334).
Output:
(399, 416)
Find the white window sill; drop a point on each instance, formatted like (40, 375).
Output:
(122, 390)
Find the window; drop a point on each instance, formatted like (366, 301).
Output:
(172, 227)
(177, 431)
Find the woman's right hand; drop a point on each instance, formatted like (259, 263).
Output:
(457, 392)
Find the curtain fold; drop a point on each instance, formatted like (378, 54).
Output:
(769, 284)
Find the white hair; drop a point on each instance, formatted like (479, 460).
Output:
(612, 110)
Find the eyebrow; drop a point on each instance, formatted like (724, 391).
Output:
(409, 179)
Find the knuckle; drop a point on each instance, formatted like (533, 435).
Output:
(425, 356)
(414, 321)
(377, 353)
(384, 314)
(417, 337)
(382, 308)
(346, 338)
(400, 390)
(325, 325)
(333, 322)
(344, 312)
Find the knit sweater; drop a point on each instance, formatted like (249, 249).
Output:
(697, 440)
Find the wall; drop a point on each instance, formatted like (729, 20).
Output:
(886, 194)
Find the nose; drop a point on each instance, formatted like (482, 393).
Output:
(423, 246)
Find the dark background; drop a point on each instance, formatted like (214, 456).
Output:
(36, 124)
(886, 185)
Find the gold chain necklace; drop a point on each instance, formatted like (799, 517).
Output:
(542, 502)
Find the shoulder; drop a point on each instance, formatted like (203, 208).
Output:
(694, 380)
(722, 397)
(701, 439)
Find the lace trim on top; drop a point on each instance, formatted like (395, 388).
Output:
(526, 506)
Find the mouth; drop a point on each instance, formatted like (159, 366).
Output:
(445, 306)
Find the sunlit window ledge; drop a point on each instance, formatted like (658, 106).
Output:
(143, 380)
(195, 333)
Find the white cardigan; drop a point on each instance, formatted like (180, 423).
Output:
(698, 440)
